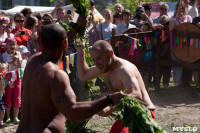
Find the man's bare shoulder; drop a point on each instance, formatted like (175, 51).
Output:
(43, 67)
(126, 66)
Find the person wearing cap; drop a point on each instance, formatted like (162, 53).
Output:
(137, 20)
(24, 54)
(125, 25)
(97, 16)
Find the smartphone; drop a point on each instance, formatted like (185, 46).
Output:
(7, 26)
(69, 12)
(22, 33)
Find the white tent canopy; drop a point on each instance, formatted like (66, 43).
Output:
(41, 9)
(38, 9)
(35, 9)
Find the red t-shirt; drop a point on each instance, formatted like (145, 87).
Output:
(22, 39)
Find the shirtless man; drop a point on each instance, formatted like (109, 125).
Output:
(119, 74)
(47, 97)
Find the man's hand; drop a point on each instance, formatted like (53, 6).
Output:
(82, 21)
(18, 33)
(158, 26)
(143, 15)
(59, 5)
(68, 16)
(14, 60)
(80, 48)
(27, 34)
(117, 96)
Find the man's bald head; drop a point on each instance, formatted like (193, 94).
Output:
(53, 36)
(102, 45)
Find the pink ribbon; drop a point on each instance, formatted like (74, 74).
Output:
(131, 49)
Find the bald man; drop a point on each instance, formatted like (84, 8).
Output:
(47, 97)
(119, 74)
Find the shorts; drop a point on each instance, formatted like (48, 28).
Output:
(2, 105)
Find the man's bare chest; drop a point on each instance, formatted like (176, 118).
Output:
(113, 83)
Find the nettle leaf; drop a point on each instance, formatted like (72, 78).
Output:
(137, 117)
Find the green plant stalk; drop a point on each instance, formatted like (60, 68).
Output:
(82, 8)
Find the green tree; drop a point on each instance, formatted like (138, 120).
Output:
(128, 4)
(132, 4)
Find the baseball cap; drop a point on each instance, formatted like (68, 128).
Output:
(140, 8)
(22, 49)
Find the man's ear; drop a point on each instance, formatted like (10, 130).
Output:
(66, 43)
(111, 53)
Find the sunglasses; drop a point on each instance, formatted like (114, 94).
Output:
(91, 4)
(163, 9)
(19, 21)
(149, 9)
(47, 19)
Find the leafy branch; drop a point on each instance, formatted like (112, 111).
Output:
(137, 117)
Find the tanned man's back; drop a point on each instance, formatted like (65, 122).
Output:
(35, 94)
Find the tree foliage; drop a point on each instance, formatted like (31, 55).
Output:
(128, 4)
(132, 4)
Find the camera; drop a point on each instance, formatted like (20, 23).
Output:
(7, 26)
(69, 12)
(46, 21)
(22, 32)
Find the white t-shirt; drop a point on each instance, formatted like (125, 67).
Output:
(24, 62)
(8, 58)
(106, 29)
(192, 11)
(4, 36)
(121, 28)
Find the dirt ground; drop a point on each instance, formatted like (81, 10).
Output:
(174, 107)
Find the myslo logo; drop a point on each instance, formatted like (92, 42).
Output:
(184, 129)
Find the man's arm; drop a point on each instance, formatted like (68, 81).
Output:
(64, 99)
(53, 13)
(81, 22)
(84, 71)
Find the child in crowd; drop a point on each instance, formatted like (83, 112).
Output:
(24, 54)
(144, 26)
(3, 83)
(13, 58)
